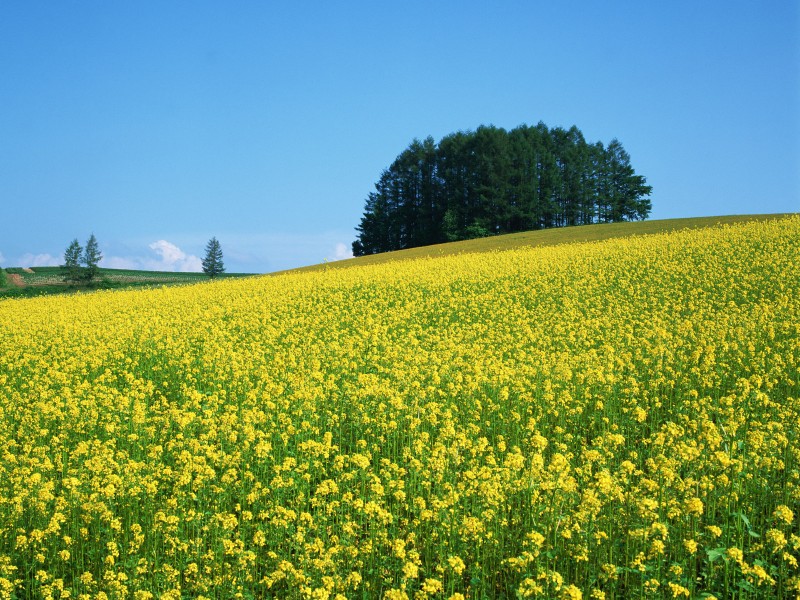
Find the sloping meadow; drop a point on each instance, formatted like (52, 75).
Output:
(607, 420)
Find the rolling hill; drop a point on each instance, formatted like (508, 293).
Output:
(543, 237)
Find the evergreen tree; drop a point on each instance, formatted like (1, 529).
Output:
(492, 181)
(628, 190)
(452, 169)
(430, 204)
(91, 256)
(212, 263)
(71, 269)
(491, 177)
(375, 226)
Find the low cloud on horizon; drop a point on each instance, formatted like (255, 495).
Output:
(170, 258)
(38, 260)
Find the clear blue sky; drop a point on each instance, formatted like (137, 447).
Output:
(157, 125)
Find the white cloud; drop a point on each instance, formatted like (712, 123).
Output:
(191, 264)
(340, 252)
(170, 253)
(170, 258)
(2, 258)
(38, 260)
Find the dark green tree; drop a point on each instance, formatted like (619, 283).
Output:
(91, 258)
(452, 172)
(490, 161)
(374, 231)
(628, 191)
(212, 263)
(493, 181)
(71, 269)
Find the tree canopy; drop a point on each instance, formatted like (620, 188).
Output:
(492, 181)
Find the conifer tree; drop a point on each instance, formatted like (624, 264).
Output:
(492, 181)
(71, 269)
(212, 263)
(92, 256)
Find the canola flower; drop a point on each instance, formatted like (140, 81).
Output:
(607, 420)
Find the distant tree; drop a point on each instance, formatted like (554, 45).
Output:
(71, 269)
(91, 256)
(212, 263)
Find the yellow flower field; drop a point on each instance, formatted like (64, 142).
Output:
(607, 420)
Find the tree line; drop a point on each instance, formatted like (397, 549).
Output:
(492, 181)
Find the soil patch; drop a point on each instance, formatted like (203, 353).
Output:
(15, 279)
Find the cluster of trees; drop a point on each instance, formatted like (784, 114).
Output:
(81, 264)
(492, 181)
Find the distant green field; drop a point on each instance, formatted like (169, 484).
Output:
(543, 237)
(35, 281)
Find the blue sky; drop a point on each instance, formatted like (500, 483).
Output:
(157, 125)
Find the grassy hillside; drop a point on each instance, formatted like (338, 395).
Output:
(608, 420)
(544, 237)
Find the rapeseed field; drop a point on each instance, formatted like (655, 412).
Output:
(606, 420)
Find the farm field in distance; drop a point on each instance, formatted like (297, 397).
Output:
(609, 419)
(37, 281)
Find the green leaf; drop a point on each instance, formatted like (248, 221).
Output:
(746, 585)
(715, 553)
(746, 522)
(744, 519)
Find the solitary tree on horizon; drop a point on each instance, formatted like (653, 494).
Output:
(91, 256)
(212, 263)
(71, 268)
